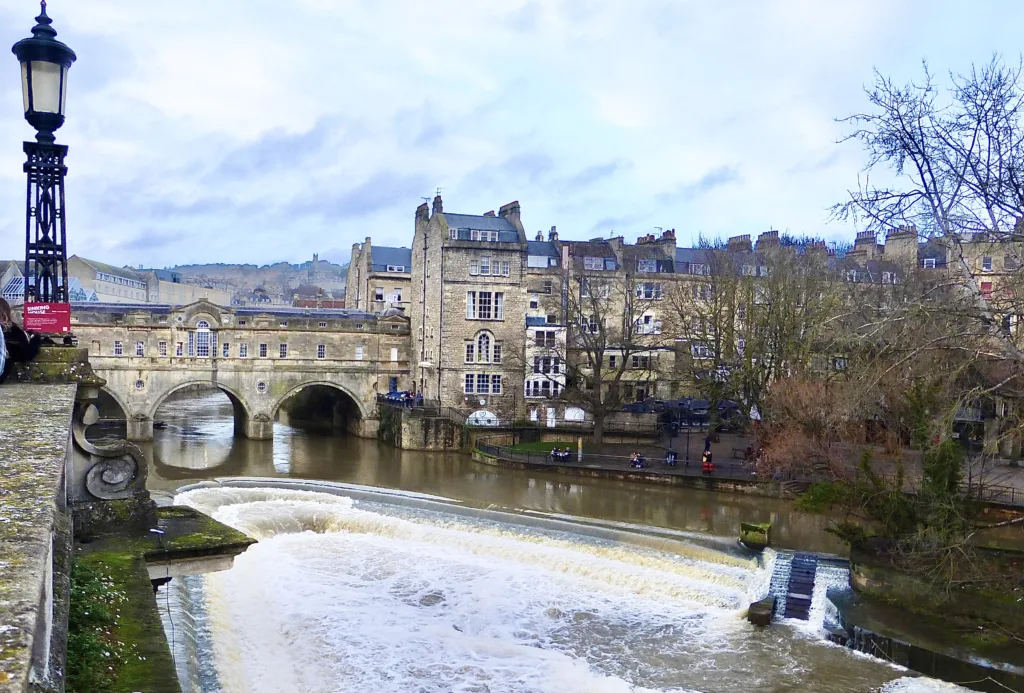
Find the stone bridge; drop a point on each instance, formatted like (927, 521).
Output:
(258, 357)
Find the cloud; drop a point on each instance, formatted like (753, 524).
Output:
(309, 122)
(716, 178)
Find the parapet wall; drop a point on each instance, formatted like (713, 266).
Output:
(35, 534)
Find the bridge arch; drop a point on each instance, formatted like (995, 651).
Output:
(347, 412)
(239, 403)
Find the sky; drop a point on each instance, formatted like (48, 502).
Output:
(260, 131)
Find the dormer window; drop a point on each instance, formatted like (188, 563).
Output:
(929, 263)
(396, 268)
(646, 265)
(453, 234)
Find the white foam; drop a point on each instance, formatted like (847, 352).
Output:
(920, 685)
(343, 596)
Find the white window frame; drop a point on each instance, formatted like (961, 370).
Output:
(118, 348)
(929, 263)
(264, 350)
(359, 353)
(243, 351)
(321, 351)
(394, 354)
(161, 348)
(179, 349)
(225, 350)
(140, 348)
(986, 264)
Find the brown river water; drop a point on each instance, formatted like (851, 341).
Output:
(343, 595)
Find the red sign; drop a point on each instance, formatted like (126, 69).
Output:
(50, 318)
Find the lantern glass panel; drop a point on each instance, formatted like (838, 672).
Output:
(24, 85)
(46, 87)
(63, 88)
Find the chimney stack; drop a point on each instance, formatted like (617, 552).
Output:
(552, 235)
(489, 214)
(423, 212)
(739, 243)
(438, 207)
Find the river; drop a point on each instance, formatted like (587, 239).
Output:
(364, 595)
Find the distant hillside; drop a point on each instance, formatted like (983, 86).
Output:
(278, 278)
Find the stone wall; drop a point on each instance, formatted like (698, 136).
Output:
(35, 535)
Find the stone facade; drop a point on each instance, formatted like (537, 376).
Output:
(258, 357)
(378, 278)
(469, 307)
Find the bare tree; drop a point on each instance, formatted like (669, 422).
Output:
(612, 342)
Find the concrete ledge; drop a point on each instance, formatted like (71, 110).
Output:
(708, 483)
(35, 428)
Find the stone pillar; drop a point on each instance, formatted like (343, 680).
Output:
(259, 427)
(140, 428)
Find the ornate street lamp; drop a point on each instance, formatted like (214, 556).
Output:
(44, 77)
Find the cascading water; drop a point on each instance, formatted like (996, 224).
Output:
(343, 595)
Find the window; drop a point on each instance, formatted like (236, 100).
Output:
(698, 268)
(649, 291)
(378, 293)
(741, 345)
(225, 350)
(242, 323)
(485, 264)
(323, 324)
(643, 265)
(641, 361)
(986, 290)
(453, 234)
(495, 384)
(851, 275)
(590, 288)
(741, 312)
(839, 363)
(118, 349)
(394, 353)
(284, 351)
(284, 323)
(179, 349)
(263, 351)
(547, 286)
(483, 383)
(483, 235)
(243, 351)
(261, 387)
(762, 271)
(593, 263)
(545, 338)
(202, 346)
(359, 353)
(929, 263)
(589, 324)
(396, 268)
(485, 305)
(398, 294)
(1010, 262)
(986, 264)
(161, 348)
(747, 270)
(534, 301)
(321, 351)
(496, 356)
(140, 348)
(504, 269)
(470, 382)
(611, 361)
(700, 351)
(470, 352)
(483, 348)
(886, 277)
(552, 319)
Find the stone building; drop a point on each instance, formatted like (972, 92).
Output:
(379, 277)
(111, 284)
(469, 308)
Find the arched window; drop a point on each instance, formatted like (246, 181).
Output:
(203, 339)
(482, 417)
(483, 348)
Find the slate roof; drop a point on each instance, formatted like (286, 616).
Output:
(541, 248)
(110, 269)
(507, 233)
(687, 256)
(382, 256)
(931, 250)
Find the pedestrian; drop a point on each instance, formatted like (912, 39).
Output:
(20, 346)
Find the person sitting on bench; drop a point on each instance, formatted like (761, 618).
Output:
(671, 457)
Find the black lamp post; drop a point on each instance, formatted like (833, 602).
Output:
(44, 76)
